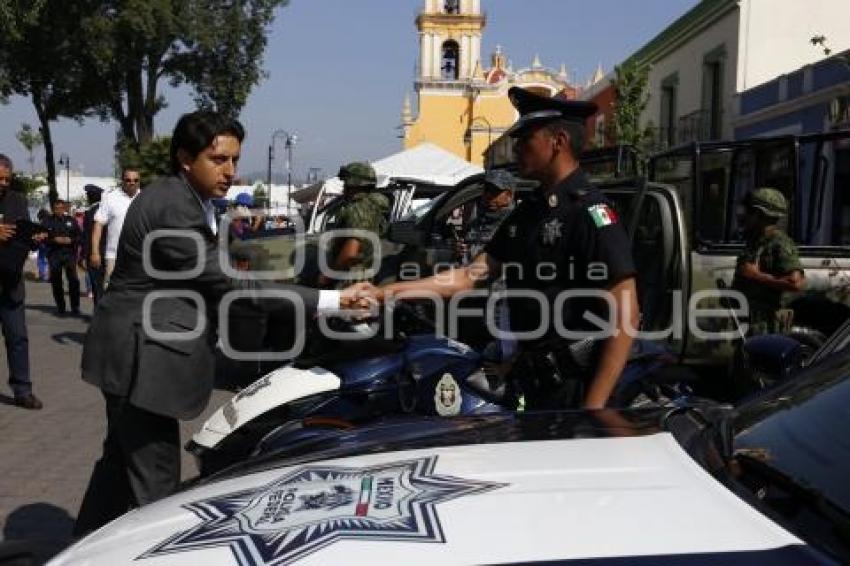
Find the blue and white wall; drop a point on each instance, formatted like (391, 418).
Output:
(804, 101)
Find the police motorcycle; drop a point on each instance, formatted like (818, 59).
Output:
(337, 385)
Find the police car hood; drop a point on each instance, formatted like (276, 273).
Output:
(638, 500)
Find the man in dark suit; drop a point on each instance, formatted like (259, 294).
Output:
(168, 279)
(13, 254)
(93, 194)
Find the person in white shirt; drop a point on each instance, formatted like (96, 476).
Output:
(110, 215)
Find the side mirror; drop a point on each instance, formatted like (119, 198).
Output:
(773, 356)
(405, 232)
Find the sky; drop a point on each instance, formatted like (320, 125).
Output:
(338, 71)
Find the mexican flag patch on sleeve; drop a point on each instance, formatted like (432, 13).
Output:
(603, 215)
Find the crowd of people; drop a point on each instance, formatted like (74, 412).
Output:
(149, 379)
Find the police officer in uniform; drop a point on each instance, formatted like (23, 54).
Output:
(769, 267)
(63, 238)
(365, 209)
(564, 238)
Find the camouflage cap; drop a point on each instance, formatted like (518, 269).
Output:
(500, 179)
(769, 201)
(358, 174)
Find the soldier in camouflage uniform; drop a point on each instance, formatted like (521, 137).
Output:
(366, 210)
(496, 204)
(769, 267)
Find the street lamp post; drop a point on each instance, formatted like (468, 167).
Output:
(65, 161)
(289, 140)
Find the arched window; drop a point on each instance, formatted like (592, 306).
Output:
(451, 60)
(452, 6)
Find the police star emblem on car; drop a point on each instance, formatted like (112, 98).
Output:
(315, 506)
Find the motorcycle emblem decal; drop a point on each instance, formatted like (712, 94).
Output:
(447, 396)
(313, 507)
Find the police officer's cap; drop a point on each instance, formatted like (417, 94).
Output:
(500, 179)
(92, 190)
(535, 109)
(358, 174)
(768, 201)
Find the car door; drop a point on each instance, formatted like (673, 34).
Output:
(655, 222)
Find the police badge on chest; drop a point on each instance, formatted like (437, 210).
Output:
(550, 232)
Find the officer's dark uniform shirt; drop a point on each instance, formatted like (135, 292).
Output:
(61, 226)
(567, 238)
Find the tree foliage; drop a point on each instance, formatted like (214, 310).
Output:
(27, 184)
(632, 96)
(30, 140)
(152, 159)
(215, 46)
(226, 47)
(40, 58)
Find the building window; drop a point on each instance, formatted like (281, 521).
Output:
(667, 123)
(451, 58)
(452, 6)
(600, 130)
(712, 95)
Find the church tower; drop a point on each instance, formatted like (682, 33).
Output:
(449, 39)
(461, 102)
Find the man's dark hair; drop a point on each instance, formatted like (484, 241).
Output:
(196, 131)
(6, 162)
(572, 129)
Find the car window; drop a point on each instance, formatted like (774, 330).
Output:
(419, 212)
(792, 448)
(677, 171)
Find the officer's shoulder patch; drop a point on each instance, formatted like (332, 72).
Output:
(602, 215)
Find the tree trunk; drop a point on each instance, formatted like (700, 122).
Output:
(153, 68)
(44, 128)
(135, 105)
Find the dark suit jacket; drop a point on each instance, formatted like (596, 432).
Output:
(13, 254)
(167, 377)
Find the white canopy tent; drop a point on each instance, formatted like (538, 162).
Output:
(425, 162)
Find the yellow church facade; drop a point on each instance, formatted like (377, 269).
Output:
(461, 105)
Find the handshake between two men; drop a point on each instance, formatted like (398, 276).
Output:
(361, 300)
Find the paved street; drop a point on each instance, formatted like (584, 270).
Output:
(47, 455)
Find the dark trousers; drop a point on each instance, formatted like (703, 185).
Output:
(140, 464)
(96, 278)
(13, 320)
(62, 263)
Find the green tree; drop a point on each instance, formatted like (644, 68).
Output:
(40, 59)
(631, 97)
(27, 184)
(152, 159)
(215, 46)
(226, 47)
(30, 140)
(260, 196)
